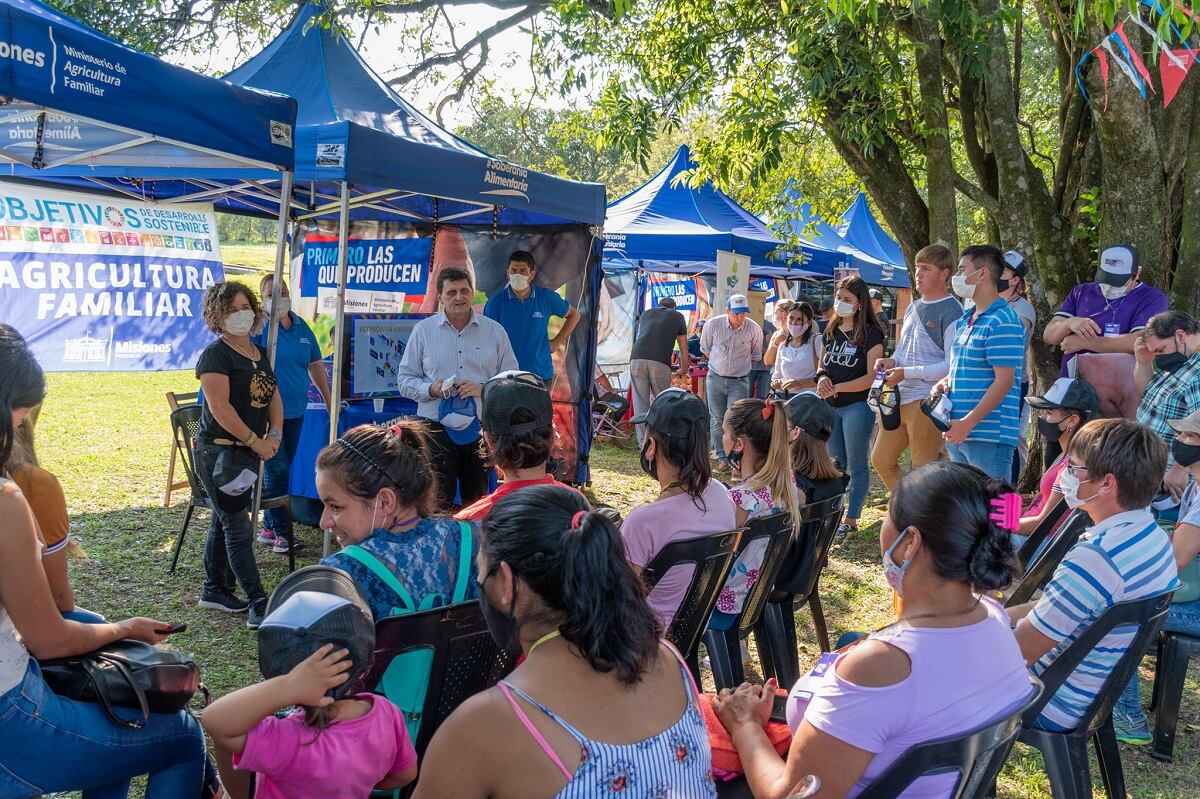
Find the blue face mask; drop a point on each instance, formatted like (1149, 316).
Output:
(894, 573)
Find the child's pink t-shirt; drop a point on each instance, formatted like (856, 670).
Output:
(345, 761)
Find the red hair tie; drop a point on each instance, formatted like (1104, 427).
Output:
(768, 409)
(577, 519)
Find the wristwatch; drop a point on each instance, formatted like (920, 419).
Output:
(250, 441)
(275, 434)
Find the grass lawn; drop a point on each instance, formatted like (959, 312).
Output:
(253, 256)
(107, 438)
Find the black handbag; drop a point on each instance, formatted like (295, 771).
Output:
(126, 674)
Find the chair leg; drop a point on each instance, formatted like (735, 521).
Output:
(1066, 765)
(289, 531)
(170, 477)
(776, 637)
(1108, 756)
(1168, 689)
(818, 614)
(725, 657)
(187, 518)
(1158, 660)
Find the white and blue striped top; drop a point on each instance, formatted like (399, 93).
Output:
(987, 340)
(1126, 556)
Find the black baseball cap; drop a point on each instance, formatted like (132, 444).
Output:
(1016, 262)
(312, 607)
(1118, 264)
(811, 414)
(673, 412)
(509, 391)
(1070, 393)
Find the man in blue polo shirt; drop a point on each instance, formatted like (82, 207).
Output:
(984, 385)
(524, 311)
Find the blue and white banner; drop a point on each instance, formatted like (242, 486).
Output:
(99, 284)
(382, 275)
(682, 291)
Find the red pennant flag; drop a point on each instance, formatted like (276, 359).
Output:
(1171, 75)
(1102, 57)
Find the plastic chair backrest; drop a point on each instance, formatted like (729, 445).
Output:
(713, 557)
(1041, 570)
(977, 755)
(465, 660)
(185, 422)
(1025, 555)
(181, 398)
(1147, 613)
(802, 564)
(777, 530)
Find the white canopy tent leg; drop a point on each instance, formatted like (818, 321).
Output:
(339, 318)
(272, 328)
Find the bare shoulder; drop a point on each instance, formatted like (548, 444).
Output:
(874, 664)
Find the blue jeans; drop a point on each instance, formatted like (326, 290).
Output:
(723, 392)
(50, 744)
(276, 471)
(1183, 617)
(991, 458)
(760, 383)
(229, 550)
(850, 446)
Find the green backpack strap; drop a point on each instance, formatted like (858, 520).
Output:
(466, 550)
(383, 573)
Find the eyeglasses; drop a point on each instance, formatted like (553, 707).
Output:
(1072, 468)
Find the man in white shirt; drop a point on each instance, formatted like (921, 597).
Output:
(732, 343)
(921, 358)
(449, 356)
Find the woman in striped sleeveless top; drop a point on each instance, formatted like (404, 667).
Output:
(599, 706)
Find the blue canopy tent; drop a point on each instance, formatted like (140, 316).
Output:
(860, 229)
(664, 225)
(806, 223)
(367, 154)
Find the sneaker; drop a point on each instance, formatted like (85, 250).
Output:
(843, 531)
(258, 611)
(1131, 729)
(266, 536)
(280, 547)
(221, 600)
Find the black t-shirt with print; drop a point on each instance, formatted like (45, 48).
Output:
(251, 387)
(845, 360)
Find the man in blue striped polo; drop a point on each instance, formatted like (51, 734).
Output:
(984, 385)
(1114, 467)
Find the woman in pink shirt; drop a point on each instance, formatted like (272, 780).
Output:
(690, 503)
(1063, 409)
(948, 665)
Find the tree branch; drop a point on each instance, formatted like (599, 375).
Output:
(442, 59)
(977, 195)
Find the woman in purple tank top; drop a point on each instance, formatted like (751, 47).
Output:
(948, 665)
(599, 706)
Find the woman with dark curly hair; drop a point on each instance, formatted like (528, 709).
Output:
(240, 425)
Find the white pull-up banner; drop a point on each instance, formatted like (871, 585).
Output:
(97, 283)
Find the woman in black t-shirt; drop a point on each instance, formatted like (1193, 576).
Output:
(241, 409)
(852, 342)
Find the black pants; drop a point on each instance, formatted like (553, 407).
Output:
(458, 466)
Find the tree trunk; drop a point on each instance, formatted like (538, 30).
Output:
(939, 163)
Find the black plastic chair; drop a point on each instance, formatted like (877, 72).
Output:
(1066, 753)
(796, 583)
(712, 555)
(1030, 547)
(466, 660)
(724, 650)
(185, 422)
(976, 755)
(1174, 652)
(1042, 569)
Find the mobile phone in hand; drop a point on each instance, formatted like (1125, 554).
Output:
(174, 628)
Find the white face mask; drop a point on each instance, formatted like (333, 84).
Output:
(239, 323)
(960, 286)
(843, 309)
(1112, 292)
(1069, 485)
(285, 305)
(518, 282)
(797, 330)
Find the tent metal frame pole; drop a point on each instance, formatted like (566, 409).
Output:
(339, 320)
(272, 328)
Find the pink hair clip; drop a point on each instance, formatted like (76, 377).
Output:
(577, 519)
(1008, 511)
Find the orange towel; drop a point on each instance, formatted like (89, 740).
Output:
(724, 756)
